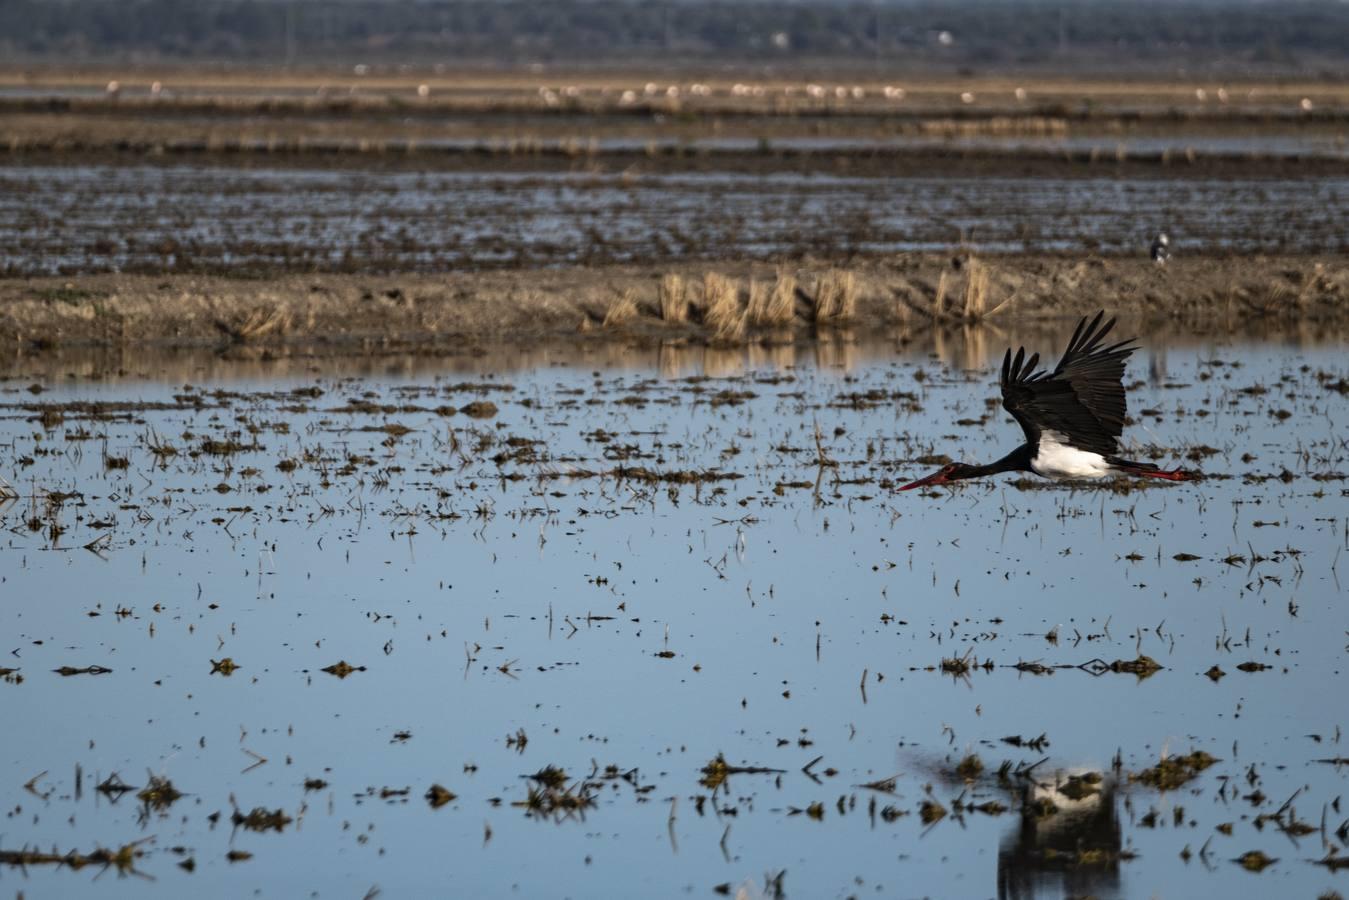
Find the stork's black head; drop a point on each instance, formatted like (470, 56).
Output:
(950, 472)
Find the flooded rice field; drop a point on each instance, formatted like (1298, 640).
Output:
(667, 628)
(59, 219)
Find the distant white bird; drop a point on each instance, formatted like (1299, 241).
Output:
(1161, 249)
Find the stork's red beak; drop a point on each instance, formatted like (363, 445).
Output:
(937, 477)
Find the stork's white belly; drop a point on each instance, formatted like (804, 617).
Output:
(1054, 458)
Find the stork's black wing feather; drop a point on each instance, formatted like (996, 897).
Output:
(1082, 399)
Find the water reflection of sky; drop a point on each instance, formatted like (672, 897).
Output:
(760, 592)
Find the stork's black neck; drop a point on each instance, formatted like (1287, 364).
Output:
(1016, 461)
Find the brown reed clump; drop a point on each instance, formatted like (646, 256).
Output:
(721, 308)
(976, 294)
(259, 323)
(781, 308)
(757, 309)
(621, 310)
(835, 296)
(939, 303)
(674, 298)
(976, 290)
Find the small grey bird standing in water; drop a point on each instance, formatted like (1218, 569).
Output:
(1160, 251)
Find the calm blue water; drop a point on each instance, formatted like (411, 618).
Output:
(467, 574)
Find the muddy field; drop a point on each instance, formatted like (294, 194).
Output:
(664, 122)
(331, 207)
(564, 92)
(727, 305)
(263, 221)
(535, 203)
(490, 489)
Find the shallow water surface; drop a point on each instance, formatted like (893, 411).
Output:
(58, 219)
(635, 574)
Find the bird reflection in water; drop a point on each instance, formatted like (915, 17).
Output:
(1072, 852)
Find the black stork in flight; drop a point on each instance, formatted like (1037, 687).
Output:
(1072, 416)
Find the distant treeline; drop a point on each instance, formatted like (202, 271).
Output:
(981, 34)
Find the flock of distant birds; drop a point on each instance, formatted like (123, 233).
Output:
(652, 90)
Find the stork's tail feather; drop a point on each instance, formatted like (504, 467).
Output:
(1148, 470)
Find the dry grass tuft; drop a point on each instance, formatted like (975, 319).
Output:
(757, 310)
(721, 308)
(721, 300)
(835, 296)
(257, 324)
(939, 303)
(976, 290)
(674, 298)
(976, 294)
(1297, 293)
(781, 309)
(621, 310)
(775, 306)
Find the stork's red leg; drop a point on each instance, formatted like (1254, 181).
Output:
(1173, 475)
(1148, 470)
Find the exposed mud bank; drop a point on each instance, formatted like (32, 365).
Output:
(342, 310)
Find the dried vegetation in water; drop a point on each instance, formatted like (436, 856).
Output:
(1174, 771)
(760, 440)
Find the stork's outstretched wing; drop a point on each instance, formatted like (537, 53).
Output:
(1082, 399)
